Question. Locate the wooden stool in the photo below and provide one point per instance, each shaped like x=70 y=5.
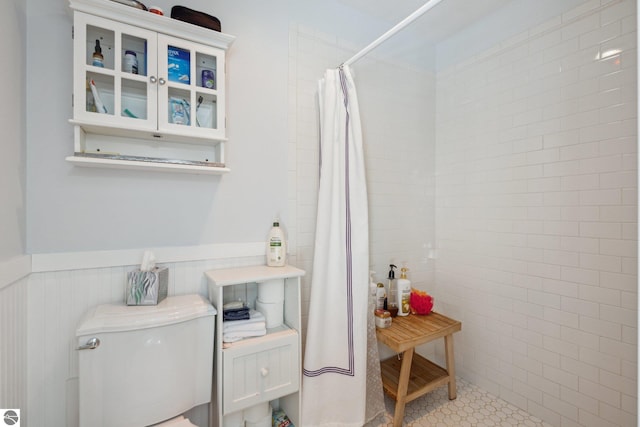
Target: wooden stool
x=412 y=376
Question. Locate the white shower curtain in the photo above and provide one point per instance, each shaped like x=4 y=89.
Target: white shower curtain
x=334 y=385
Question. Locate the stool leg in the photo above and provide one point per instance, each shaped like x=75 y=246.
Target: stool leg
x=451 y=368
x=403 y=385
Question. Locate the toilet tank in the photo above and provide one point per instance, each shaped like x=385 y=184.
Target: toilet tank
x=152 y=363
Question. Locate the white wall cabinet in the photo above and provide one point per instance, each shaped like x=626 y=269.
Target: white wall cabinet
x=168 y=114
x=259 y=369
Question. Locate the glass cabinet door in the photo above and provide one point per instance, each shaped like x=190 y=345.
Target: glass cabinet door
x=189 y=95
x=116 y=68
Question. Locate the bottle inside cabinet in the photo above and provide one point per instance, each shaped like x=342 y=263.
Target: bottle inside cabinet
x=101 y=81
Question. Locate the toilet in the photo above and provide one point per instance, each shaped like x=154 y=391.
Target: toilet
x=140 y=366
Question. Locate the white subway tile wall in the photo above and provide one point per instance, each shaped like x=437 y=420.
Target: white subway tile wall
x=536 y=207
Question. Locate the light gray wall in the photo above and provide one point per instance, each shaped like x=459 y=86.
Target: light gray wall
x=77 y=209
x=13 y=263
x=12 y=123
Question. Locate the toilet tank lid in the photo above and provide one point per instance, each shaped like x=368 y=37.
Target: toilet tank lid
x=121 y=318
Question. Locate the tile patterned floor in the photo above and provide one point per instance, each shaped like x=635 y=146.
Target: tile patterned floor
x=473 y=407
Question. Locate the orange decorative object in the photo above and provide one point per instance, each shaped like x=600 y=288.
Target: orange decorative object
x=421 y=302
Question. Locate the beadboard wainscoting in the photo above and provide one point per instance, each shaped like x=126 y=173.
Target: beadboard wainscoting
x=14 y=277
x=43 y=297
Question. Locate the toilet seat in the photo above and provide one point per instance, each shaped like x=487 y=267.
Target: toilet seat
x=176 y=422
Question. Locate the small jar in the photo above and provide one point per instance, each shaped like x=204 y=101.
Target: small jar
x=383 y=319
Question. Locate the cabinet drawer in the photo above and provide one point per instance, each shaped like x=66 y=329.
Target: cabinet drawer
x=260 y=369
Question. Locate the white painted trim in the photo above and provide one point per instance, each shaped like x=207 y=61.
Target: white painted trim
x=115 y=258
x=14 y=269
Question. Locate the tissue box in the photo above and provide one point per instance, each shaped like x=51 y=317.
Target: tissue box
x=147 y=287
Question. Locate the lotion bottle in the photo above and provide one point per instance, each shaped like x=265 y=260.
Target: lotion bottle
x=276 y=246
x=404 y=293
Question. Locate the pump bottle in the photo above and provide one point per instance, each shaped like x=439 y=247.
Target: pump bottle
x=392 y=293
x=404 y=293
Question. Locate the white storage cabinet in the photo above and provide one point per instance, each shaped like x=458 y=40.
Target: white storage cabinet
x=259 y=369
x=165 y=116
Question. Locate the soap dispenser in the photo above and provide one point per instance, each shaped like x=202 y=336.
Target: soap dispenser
x=392 y=292
x=404 y=292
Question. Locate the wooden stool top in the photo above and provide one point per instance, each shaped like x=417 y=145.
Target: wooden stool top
x=415 y=329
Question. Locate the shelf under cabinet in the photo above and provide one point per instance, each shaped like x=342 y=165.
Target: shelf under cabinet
x=142 y=133
x=162 y=166
x=112 y=147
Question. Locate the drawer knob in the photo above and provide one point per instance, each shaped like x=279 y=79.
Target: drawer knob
x=264 y=372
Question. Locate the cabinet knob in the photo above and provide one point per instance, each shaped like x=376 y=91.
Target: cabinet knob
x=162 y=81
x=153 y=79
x=264 y=372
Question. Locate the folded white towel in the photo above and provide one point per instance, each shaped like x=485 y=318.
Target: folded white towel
x=237 y=336
x=254 y=317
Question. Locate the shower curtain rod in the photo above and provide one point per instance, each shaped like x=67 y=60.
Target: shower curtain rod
x=399 y=26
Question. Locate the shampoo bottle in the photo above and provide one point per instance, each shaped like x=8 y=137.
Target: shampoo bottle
x=404 y=293
x=381 y=296
x=276 y=246
x=392 y=293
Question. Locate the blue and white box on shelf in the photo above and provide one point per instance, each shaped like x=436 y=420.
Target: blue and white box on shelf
x=179 y=64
